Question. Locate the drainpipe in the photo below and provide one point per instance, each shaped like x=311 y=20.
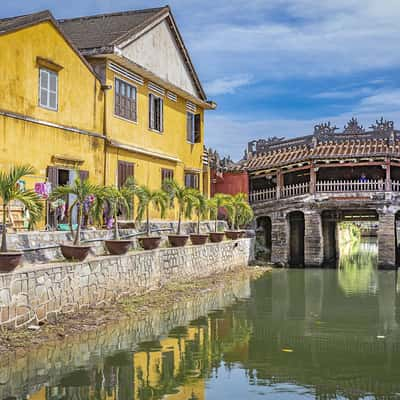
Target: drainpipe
x=105 y=88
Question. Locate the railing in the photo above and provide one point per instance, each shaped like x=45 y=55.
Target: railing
x=350 y=186
x=373 y=185
x=295 y=190
x=262 y=195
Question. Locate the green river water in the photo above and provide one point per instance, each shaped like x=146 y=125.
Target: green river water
x=292 y=334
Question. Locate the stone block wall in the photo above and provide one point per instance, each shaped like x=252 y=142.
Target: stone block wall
x=34 y=293
x=313 y=243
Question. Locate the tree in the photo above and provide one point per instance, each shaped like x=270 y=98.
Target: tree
x=218 y=201
x=81 y=189
x=182 y=196
x=239 y=210
x=117 y=200
x=10 y=191
x=198 y=203
x=157 y=198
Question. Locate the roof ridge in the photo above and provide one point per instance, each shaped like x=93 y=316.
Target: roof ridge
x=113 y=14
x=46 y=11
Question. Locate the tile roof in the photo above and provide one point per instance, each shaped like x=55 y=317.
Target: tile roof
x=324 y=150
x=21 y=21
x=105 y=30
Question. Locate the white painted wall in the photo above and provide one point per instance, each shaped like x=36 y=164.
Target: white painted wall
x=158 y=51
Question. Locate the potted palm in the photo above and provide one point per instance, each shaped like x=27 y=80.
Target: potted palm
x=215 y=204
x=117 y=200
x=235 y=206
x=197 y=203
x=81 y=190
x=181 y=195
x=11 y=191
x=147 y=198
x=245 y=216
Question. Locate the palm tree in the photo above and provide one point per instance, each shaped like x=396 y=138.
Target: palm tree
x=131 y=186
x=218 y=201
x=156 y=198
x=117 y=199
x=182 y=195
x=10 y=191
x=81 y=189
x=197 y=203
x=239 y=210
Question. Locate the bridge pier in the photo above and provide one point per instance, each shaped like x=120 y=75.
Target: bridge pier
x=279 y=239
x=386 y=241
x=313 y=239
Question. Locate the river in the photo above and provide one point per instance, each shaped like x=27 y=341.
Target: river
x=292 y=334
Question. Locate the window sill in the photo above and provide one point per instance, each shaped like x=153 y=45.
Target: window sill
x=126 y=119
x=156 y=131
x=48 y=108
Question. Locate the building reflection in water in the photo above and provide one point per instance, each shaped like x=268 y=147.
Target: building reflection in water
x=333 y=333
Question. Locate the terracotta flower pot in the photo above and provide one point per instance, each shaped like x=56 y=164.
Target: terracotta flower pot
x=198 y=239
x=178 y=240
x=233 y=235
x=74 y=253
x=149 y=242
x=216 y=237
x=118 y=247
x=10 y=260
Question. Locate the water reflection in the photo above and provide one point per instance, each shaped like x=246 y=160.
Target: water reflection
x=300 y=334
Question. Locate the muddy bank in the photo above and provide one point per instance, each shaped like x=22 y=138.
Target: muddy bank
x=19 y=342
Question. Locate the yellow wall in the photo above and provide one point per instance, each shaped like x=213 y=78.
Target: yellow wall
x=80 y=101
x=172 y=141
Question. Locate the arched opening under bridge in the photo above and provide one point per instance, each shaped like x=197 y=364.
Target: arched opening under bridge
x=296 y=239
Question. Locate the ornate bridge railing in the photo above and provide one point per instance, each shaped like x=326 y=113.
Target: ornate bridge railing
x=337 y=186
x=350 y=186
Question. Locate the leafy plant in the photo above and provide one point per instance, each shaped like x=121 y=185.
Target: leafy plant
x=156 y=198
x=181 y=195
x=10 y=191
x=239 y=210
x=131 y=186
x=117 y=200
x=218 y=201
x=198 y=203
x=81 y=189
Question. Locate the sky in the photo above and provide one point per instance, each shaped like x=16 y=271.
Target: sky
x=277 y=67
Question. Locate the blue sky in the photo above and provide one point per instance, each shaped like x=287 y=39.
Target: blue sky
x=277 y=67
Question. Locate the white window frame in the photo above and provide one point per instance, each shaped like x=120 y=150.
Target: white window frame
x=152 y=98
x=49 y=73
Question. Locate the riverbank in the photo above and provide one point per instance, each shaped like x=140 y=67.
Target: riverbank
x=17 y=343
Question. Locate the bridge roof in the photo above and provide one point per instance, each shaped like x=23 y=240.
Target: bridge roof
x=325 y=144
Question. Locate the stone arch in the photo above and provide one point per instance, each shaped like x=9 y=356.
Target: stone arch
x=296 y=238
x=329 y=238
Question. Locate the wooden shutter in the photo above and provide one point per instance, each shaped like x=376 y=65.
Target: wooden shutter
x=84 y=175
x=197 y=128
x=52 y=176
x=125 y=170
x=151 y=111
x=161 y=115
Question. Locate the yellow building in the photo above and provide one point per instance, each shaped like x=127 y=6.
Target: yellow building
x=113 y=95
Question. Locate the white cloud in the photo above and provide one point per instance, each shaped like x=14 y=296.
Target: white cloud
x=227 y=85
x=345 y=94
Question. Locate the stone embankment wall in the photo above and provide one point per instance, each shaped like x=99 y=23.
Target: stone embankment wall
x=21 y=376
x=38 y=239
x=35 y=293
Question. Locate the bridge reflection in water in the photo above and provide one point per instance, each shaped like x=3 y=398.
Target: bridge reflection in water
x=314 y=333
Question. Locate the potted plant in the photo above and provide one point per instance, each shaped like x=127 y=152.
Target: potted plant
x=181 y=195
x=81 y=189
x=158 y=199
x=245 y=216
x=117 y=200
x=197 y=203
x=236 y=207
x=11 y=191
x=214 y=205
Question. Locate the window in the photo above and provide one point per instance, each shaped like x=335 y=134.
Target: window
x=125 y=170
x=193 y=128
x=125 y=100
x=192 y=180
x=48 y=89
x=166 y=174
x=155 y=113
